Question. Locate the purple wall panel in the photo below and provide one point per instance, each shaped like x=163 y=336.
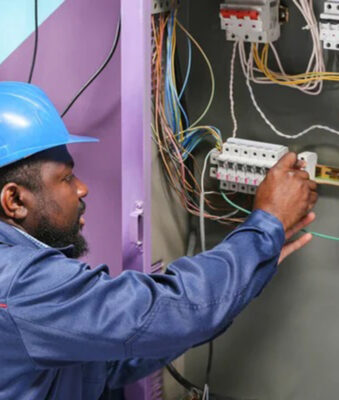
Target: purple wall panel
x=73 y=42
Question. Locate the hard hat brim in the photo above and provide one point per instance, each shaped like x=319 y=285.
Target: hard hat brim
x=71 y=139
x=81 y=139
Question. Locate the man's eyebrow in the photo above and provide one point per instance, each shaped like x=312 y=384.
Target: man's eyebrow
x=70 y=163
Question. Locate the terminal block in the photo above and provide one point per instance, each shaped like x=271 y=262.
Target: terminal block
x=242 y=165
x=329 y=25
x=251 y=20
x=160 y=6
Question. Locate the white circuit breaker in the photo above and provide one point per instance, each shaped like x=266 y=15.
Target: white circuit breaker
x=242 y=165
x=251 y=20
x=329 y=25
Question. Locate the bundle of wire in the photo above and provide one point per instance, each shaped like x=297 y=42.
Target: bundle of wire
x=309 y=82
x=173 y=133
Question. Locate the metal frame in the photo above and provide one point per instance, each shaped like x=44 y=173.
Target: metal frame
x=136 y=149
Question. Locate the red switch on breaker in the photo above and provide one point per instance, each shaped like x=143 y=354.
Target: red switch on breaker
x=240 y=14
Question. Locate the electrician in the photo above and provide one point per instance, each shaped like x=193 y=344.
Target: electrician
x=71 y=332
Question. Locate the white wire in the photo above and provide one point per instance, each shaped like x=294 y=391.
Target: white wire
x=206 y=394
x=231 y=90
x=202 y=203
x=268 y=122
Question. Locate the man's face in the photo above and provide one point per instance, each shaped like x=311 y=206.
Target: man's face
x=57 y=212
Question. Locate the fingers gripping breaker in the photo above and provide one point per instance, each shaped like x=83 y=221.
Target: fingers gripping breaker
x=242 y=165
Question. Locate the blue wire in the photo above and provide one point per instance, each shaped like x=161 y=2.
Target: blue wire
x=189 y=66
x=171 y=90
x=169 y=111
x=173 y=106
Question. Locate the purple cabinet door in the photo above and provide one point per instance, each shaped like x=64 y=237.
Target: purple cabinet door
x=136 y=133
x=136 y=148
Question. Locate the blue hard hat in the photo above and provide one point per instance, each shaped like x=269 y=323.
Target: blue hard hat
x=29 y=123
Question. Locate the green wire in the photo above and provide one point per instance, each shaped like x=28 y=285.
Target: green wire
x=316 y=234
x=230 y=202
x=322 y=235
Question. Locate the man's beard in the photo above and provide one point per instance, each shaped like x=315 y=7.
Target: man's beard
x=47 y=233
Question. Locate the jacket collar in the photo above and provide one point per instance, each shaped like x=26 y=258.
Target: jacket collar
x=11 y=236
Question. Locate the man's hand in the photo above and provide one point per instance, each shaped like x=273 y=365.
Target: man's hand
x=287 y=193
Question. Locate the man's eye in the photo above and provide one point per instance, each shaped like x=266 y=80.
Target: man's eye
x=69 y=178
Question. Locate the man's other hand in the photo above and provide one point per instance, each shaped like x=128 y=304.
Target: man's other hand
x=294 y=245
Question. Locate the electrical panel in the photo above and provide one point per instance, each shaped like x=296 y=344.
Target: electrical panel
x=329 y=25
x=242 y=165
x=251 y=20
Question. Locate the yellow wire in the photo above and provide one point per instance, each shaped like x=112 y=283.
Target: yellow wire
x=290 y=80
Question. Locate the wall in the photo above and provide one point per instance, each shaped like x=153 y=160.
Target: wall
x=73 y=42
x=284 y=346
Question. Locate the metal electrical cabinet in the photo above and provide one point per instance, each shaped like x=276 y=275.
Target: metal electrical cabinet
x=284 y=345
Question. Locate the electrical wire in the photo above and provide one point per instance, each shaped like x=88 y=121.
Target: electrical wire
x=36 y=40
x=316 y=234
x=173 y=134
x=189 y=66
x=189 y=386
x=231 y=89
x=99 y=71
x=310 y=82
x=205 y=395
x=202 y=203
x=268 y=122
x=209 y=65
x=209 y=366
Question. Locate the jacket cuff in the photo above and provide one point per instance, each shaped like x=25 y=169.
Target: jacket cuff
x=268 y=223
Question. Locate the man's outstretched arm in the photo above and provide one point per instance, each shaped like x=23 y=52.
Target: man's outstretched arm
x=85 y=315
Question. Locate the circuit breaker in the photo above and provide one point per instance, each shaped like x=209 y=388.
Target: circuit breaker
x=242 y=165
x=329 y=25
x=251 y=20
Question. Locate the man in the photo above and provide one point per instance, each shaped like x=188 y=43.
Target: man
x=71 y=332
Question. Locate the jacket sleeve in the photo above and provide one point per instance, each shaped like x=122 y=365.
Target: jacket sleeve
x=66 y=312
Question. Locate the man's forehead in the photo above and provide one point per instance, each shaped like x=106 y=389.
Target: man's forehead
x=58 y=155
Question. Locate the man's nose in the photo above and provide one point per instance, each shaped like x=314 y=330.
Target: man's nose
x=82 y=189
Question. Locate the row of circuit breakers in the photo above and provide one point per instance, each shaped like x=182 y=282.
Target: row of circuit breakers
x=242 y=164
x=260 y=20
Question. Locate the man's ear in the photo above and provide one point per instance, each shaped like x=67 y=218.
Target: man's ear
x=14 y=200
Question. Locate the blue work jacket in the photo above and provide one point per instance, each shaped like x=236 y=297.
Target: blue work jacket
x=71 y=332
